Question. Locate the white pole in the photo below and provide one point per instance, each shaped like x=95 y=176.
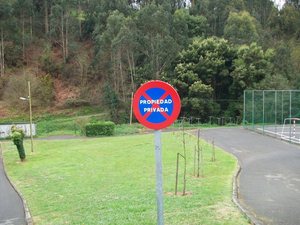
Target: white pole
x=294 y=128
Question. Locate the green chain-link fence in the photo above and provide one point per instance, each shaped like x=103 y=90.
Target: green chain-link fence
x=276 y=112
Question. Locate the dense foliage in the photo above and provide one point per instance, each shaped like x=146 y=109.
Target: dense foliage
x=100 y=129
x=210 y=50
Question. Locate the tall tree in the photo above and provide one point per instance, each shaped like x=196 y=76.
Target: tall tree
x=186 y=26
x=46 y=15
x=290 y=20
x=241 y=28
x=208 y=61
x=109 y=58
x=261 y=10
x=6 y=11
x=252 y=65
x=24 y=9
x=62 y=21
x=156 y=44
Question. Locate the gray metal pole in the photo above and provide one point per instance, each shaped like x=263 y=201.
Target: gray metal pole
x=253 y=109
x=244 y=112
x=290 y=104
x=275 y=94
x=290 y=115
x=282 y=119
x=159 y=177
x=263 y=112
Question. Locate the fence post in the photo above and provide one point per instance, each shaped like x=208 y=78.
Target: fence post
x=290 y=115
x=263 y=112
x=253 y=109
x=244 y=115
x=275 y=95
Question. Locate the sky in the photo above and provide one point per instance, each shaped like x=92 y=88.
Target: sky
x=279 y=3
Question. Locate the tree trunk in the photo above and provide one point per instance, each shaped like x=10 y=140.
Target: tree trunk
x=122 y=76
x=63 y=37
x=131 y=71
x=31 y=28
x=67 y=37
x=79 y=21
x=114 y=79
x=2 y=54
x=23 y=37
x=157 y=66
x=46 y=16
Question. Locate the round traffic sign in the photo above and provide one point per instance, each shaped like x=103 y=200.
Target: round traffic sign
x=156 y=104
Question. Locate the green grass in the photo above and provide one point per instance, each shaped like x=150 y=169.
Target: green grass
x=111 y=181
x=55 y=125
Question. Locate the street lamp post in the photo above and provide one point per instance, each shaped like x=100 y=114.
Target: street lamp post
x=30 y=113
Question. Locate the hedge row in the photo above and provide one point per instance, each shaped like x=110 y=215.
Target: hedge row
x=100 y=129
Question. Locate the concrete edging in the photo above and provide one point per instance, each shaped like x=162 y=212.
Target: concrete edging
x=28 y=217
x=235 y=196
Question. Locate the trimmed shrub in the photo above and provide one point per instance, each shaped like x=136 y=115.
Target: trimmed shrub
x=100 y=129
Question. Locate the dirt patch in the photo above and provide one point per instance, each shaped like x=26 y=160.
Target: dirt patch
x=64 y=92
x=3 y=110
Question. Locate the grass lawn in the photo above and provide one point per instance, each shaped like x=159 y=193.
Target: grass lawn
x=111 y=181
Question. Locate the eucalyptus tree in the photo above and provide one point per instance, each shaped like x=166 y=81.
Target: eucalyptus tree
x=241 y=28
x=290 y=20
x=24 y=10
x=114 y=62
x=294 y=3
x=236 y=6
x=7 y=25
x=156 y=45
x=261 y=10
x=108 y=61
x=47 y=9
x=127 y=43
x=187 y=26
x=63 y=24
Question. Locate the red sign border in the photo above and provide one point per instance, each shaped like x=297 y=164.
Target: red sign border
x=168 y=88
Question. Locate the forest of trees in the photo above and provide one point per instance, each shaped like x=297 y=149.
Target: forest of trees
x=210 y=50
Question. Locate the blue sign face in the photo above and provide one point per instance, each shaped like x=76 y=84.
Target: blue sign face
x=155 y=105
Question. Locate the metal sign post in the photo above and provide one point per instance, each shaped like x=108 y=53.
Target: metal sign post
x=159 y=177
x=156 y=105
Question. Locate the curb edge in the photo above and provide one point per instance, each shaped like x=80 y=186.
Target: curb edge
x=28 y=217
x=235 y=196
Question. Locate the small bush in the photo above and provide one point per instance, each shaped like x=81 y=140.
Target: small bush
x=100 y=129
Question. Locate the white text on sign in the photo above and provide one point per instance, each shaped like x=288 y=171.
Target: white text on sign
x=156 y=110
x=158 y=101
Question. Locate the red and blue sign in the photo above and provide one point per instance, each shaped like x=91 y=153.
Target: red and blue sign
x=156 y=104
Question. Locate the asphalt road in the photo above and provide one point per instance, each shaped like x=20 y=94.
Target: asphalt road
x=11 y=206
x=269 y=182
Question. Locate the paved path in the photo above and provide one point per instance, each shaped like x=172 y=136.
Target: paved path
x=269 y=182
x=11 y=206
